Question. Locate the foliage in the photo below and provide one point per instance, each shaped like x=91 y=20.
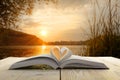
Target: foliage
x=12 y=10
x=105 y=29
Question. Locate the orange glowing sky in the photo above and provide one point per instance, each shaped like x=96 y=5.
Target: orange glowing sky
x=54 y=23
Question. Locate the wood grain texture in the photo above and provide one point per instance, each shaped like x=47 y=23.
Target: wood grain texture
x=113 y=73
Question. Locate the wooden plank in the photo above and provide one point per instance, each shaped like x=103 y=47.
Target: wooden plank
x=89 y=75
x=111 y=60
x=6 y=74
x=40 y=75
x=114 y=64
x=92 y=74
x=29 y=75
x=7 y=62
x=73 y=74
x=10 y=75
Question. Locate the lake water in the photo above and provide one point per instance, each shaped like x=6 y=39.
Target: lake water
x=21 y=51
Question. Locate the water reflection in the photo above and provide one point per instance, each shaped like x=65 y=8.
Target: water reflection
x=44 y=50
x=20 y=51
x=43 y=47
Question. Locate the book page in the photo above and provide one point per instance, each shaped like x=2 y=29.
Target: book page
x=60 y=54
x=81 y=62
x=43 y=59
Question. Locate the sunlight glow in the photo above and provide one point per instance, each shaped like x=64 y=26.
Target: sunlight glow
x=43 y=32
x=52 y=23
x=43 y=47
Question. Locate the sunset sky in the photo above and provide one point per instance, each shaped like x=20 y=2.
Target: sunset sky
x=66 y=21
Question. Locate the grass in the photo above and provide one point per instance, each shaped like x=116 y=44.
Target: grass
x=104 y=26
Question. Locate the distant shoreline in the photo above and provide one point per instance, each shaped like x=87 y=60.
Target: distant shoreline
x=42 y=45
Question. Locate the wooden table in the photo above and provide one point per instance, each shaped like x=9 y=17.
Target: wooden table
x=113 y=73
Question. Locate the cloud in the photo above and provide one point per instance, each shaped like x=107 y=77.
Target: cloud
x=66 y=20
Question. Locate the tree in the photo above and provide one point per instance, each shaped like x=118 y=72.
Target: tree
x=11 y=10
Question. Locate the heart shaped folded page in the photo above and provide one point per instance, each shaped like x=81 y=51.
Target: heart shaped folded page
x=61 y=54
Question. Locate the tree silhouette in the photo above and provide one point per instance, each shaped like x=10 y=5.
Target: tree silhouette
x=10 y=10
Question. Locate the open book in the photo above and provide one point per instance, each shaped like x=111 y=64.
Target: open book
x=60 y=58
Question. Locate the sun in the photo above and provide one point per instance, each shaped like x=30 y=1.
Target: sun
x=43 y=33
x=43 y=47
